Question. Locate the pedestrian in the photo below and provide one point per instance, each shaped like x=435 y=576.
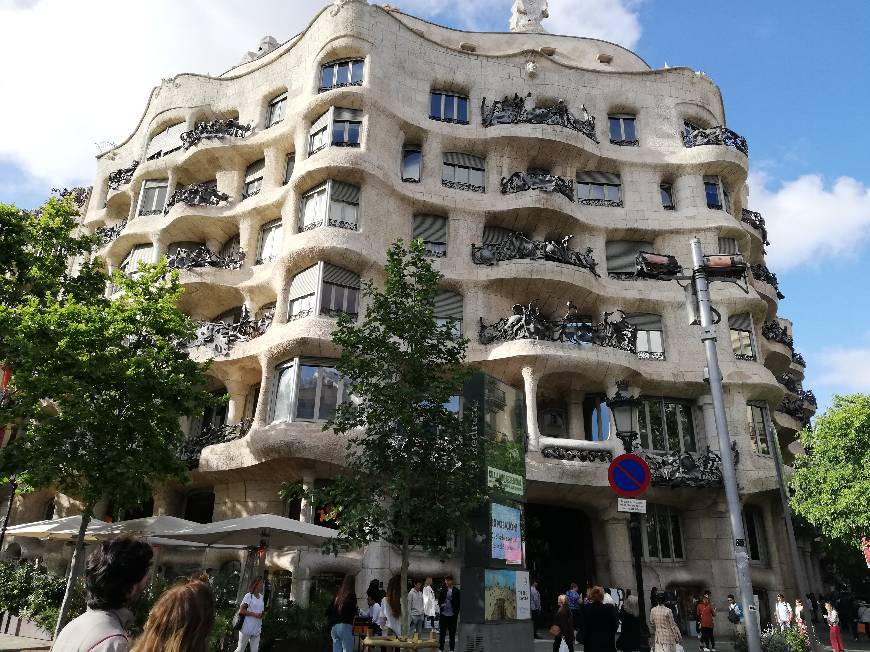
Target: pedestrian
x=707 y=614
x=665 y=633
x=374 y=591
x=783 y=612
x=600 y=622
x=115 y=575
x=374 y=614
x=536 y=608
x=815 y=605
x=416 y=617
x=449 y=603
x=629 y=635
x=251 y=615
x=864 y=619
x=653 y=597
x=563 y=625
x=833 y=619
x=735 y=615
x=574 y=604
x=799 y=612
x=430 y=604
x=180 y=621
x=340 y=614
x=391 y=607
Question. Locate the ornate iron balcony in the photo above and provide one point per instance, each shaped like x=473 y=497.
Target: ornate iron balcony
x=651 y=355
x=794 y=407
x=122 y=177
x=79 y=194
x=683 y=469
x=527 y=323
x=761 y=273
x=519 y=246
x=716 y=136
x=214 y=129
x=791 y=383
x=775 y=332
x=746 y=357
x=109 y=233
x=807 y=396
x=513 y=111
x=460 y=185
x=754 y=219
x=625 y=143
x=204 y=257
x=209 y=435
x=576 y=455
x=798 y=359
x=222 y=337
x=609 y=203
x=521 y=181
x=197 y=194
x=656 y=266
x=339 y=224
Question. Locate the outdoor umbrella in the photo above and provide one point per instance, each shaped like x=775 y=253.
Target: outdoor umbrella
x=269 y=529
x=61 y=529
x=144 y=527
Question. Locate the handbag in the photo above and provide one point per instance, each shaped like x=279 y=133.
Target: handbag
x=733 y=617
x=238 y=621
x=555 y=630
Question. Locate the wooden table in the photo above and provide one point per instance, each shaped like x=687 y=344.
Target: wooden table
x=374 y=642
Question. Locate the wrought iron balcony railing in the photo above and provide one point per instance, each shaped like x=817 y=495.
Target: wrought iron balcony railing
x=716 y=136
x=776 y=332
x=461 y=185
x=222 y=336
x=807 y=396
x=512 y=110
x=794 y=407
x=197 y=194
x=519 y=246
x=533 y=180
x=339 y=224
x=576 y=455
x=682 y=468
x=756 y=221
x=109 y=233
x=527 y=323
x=791 y=383
x=214 y=129
x=761 y=273
x=608 y=203
x=798 y=359
x=204 y=257
x=209 y=435
x=122 y=177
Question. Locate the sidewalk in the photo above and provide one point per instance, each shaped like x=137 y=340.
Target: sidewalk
x=22 y=643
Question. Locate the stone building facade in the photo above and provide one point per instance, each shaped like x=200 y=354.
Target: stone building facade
x=535 y=167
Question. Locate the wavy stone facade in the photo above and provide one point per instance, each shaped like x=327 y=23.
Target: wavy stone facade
x=411 y=149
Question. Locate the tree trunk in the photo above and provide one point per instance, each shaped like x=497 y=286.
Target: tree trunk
x=404 y=575
x=75 y=568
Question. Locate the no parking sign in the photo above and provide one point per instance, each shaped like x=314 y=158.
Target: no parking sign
x=628 y=475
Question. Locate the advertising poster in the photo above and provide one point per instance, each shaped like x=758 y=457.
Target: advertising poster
x=524 y=596
x=506 y=534
x=500 y=595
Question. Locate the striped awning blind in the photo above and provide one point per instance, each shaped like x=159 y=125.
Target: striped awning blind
x=465 y=160
x=340 y=276
x=231 y=247
x=346 y=114
x=304 y=283
x=493 y=235
x=320 y=123
x=139 y=253
x=741 y=322
x=255 y=170
x=728 y=246
x=448 y=305
x=620 y=254
x=430 y=228
x=645 y=321
x=344 y=192
x=167 y=140
x=598 y=177
x=708 y=178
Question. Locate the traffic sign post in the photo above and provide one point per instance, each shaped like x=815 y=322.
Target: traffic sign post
x=628 y=475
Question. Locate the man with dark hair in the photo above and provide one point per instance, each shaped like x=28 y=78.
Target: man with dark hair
x=449 y=603
x=116 y=574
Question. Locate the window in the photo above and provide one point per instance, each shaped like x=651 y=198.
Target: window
x=726 y=200
x=620 y=256
x=153 y=197
x=346 y=127
x=342 y=207
x=337 y=74
x=187 y=245
x=252 y=397
x=339 y=293
x=448 y=107
x=288 y=167
x=254 y=178
x=650 y=342
x=318 y=135
x=307 y=389
x=432 y=230
x=596 y=416
x=232 y=247
x=229 y=317
x=165 y=142
x=412 y=163
x=663 y=534
x=448 y=309
x=728 y=246
x=756 y=417
x=713 y=193
x=303 y=293
x=199 y=506
x=741 y=336
x=667 y=192
x=277 y=108
x=463 y=172
x=269 y=242
x=599 y=189
x=666 y=425
x=142 y=253
x=622 y=129
x=553 y=422
x=753 y=526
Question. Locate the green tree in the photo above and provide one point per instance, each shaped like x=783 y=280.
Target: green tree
x=413 y=467
x=98 y=384
x=831 y=483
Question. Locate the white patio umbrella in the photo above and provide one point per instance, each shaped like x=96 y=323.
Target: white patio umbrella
x=275 y=531
x=60 y=529
x=144 y=527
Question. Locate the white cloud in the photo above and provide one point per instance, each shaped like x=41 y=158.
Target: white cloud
x=808 y=220
x=610 y=20
x=846 y=369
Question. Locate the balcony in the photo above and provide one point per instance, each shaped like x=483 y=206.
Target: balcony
x=212 y=130
x=775 y=332
x=756 y=221
x=675 y=469
x=204 y=257
x=791 y=383
x=209 y=435
x=122 y=177
x=514 y=111
x=794 y=407
x=109 y=233
x=197 y=194
x=807 y=396
x=537 y=180
x=798 y=359
x=462 y=185
x=716 y=136
x=761 y=273
x=527 y=323
x=519 y=246
x=222 y=337
x=576 y=454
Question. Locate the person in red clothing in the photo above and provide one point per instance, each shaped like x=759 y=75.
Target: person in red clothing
x=707 y=613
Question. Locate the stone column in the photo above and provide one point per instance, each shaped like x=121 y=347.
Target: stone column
x=306 y=511
x=167 y=502
x=238 y=395
x=576 y=425
x=710 y=432
x=616 y=553
x=530 y=383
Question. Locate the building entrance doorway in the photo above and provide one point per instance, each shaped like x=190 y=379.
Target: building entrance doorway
x=558 y=551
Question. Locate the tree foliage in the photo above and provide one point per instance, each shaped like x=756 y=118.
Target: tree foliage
x=831 y=483
x=413 y=467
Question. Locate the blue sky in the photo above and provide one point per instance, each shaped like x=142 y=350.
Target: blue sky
x=793 y=75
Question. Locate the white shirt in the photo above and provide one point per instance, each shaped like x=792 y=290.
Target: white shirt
x=429 y=603
x=783 y=612
x=375 y=613
x=415 y=602
x=251 y=625
x=388 y=618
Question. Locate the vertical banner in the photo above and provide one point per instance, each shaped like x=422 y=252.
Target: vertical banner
x=524 y=596
x=506 y=534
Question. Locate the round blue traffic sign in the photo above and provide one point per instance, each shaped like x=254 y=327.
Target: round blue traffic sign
x=628 y=475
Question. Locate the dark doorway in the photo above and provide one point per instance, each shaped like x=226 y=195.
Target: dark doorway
x=558 y=551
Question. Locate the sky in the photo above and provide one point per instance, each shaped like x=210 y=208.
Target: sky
x=77 y=75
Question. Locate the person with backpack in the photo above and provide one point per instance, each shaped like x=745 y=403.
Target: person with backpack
x=735 y=614
x=249 y=619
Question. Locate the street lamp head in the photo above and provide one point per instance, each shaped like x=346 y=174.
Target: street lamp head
x=622 y=404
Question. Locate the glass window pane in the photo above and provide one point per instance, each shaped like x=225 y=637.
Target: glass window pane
x=628 y=129
x=352 y=301
x=712 y=191
x=475 y=177
x=687 y=428
x=611 y=193
x=284 y=387
x=342 y=74
x=676 y=536
x=655 y=342
x=462 y=114
x=449 y=107
x=307 y=392
x=357 y=72
x=583 y=191
x=652 y=537
x=596 y=191
x=461 y=174
x=656 y=424
x=615 y=129
x=353 y=133
x=752 y=536
x=667 y=199
x=338 y=132
x=326 y=77
x=329 y=383
x=411 y=165
x=643 y=426
x=672 y=428
x=448 y=172
x=435 y=105
x=664 y=532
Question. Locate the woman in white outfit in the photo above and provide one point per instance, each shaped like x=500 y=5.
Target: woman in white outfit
x=430 y=604
x=252 y=609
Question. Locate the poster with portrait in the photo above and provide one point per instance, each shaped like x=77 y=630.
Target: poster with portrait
x=506 y=533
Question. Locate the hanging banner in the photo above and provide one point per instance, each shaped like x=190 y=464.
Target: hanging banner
x=505 y=533
x=524 y=596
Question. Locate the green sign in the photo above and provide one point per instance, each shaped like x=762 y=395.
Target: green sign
x=508 y=482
